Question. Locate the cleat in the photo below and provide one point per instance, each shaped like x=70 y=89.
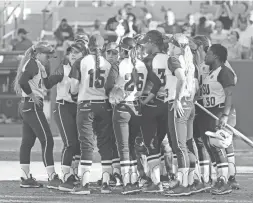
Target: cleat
x=144 y=182
x=200 y=186
x=116 y=179
x=81 y=190
x=152 y=188
x=30 y=183
x=68 y=185
x=221 y=188
x=178 y=191
x=54 y=183
x=233 y=183
x=105 y=189
x=131 y=189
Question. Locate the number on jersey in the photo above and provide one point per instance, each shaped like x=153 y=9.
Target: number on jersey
x=210 y=101
x=205 y=89
x=129 y=86
x=161 y=73
x=100 y=82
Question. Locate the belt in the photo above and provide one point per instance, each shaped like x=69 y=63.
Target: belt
x=27 y=99
x=94 y=101
x=161 y=98
x=130 y=102
x=61 y=101
x=221 y=105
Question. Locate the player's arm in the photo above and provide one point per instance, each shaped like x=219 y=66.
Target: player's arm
x=176 y=69
x=112 y=76
x=75 y=76
x=30 y=70
x=226 y=79
x=53 y=79
x=155 y=80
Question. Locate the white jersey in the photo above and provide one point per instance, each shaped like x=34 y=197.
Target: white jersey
x=36 y=83
x=89 y=88
x=125 y=80
x=212 y=91
x=63 y=87
x=159 y=65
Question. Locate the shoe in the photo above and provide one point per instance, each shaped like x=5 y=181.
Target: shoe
x=178 y=191
x=68 y=185
x=130 y=189
x=221 y=188
x=233 y=183
x=77 y=179
x=81 y=190
x=145 y=182
x=200 y=186
x=54 y=183
x=172 y=182
x=152 y=188
x=105 y=189
x=117 y=179
x=30 y=183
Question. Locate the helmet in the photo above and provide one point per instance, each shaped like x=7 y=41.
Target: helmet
x=221 y=138
x=153 y=36
x=127 y=43
x=82 y=37
x=96 y=41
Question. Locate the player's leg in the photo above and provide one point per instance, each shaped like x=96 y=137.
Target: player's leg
x=38 y=122
x=67 y=127
x=85 y=117
x=231 y=155
x=103 y=111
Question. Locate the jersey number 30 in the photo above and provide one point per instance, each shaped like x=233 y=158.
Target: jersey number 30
x=100 y=82
x=129 y=86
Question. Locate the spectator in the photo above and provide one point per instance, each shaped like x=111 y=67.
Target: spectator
x=189 y=27
x=64 y=32
x=21 y=43
x=203 y=12
x=242 y=17
x=219 y=34
x=117 y=22
x=233 y=46
x=170 y=26
x=225 y=15
x=143 y=23
x=202 y=28
x=97 y=28
x=131 y=19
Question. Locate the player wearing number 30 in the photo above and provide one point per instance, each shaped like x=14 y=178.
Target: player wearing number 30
x=126 y=89
x=88 y=80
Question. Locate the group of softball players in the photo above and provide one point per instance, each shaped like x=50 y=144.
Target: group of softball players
x=138 y=99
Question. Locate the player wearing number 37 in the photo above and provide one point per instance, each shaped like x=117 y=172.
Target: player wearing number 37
x=88 y=80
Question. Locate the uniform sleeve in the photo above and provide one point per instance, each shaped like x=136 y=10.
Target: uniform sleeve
x=173 y=64
x=76 y=70
x=152 y=77
x=30 y=70
x=226 y=77
x=54 y=78
x=112 y=76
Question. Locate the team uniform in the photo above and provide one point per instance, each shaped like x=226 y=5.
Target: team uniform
x=35 y=124
x=214 y=97
x=93 y=106
x=65 y=117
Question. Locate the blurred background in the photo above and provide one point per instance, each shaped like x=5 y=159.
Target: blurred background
x=24 y=22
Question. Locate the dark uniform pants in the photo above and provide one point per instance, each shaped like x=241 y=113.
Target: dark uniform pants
x=181 y=133
x=65 y=117
x=126 y=123
x=207 y=123
x=99 y=111
x=35 y=125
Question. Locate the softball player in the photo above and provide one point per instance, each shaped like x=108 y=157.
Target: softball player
x=129 y=84
x=216 y=91
x=203 y=44
x=88 y=80
x=65 y=116
x=181 y=90
x=29 y=84
x=155 y=106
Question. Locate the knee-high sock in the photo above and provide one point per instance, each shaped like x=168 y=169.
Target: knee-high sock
x=182 y=176
x=231 y=164
x=116 y=166
x=222 y=170
x=205 y=170
x=85 y=169
x=134 y=173
x=174 y=164
x=191 y=176
x=197 y=174
x=106 y=171
x=125 y=171
x=25 y=171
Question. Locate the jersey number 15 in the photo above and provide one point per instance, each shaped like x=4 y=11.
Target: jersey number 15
x=100 y=81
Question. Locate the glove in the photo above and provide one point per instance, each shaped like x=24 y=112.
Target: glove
x=116 y=95
x=220 y=139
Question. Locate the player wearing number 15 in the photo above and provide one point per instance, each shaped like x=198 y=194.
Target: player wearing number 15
x=88 y=80
x=217 y=91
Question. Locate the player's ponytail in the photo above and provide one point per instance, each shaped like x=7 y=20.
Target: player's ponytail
x=30 y=53
x=97 y=58
x=133 y=58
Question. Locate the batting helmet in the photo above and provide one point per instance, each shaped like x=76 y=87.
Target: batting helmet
x=128 y=43
x=220 y=139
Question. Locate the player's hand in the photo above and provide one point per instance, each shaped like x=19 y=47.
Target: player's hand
x=223 y=121
x=177 y=106
x=37 y=100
